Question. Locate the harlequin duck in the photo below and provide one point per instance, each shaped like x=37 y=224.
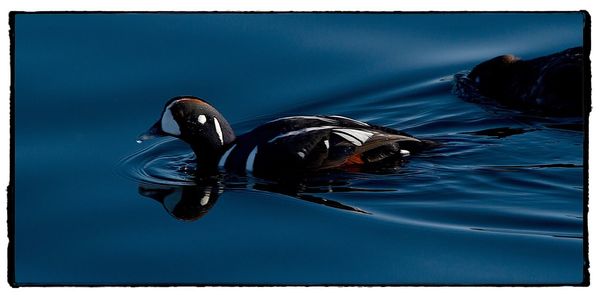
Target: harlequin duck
x=282 y=147
x=551 y=84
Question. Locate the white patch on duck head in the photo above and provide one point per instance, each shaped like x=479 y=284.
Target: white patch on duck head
x=202 y=119
x=218 y=129
x=168 y=123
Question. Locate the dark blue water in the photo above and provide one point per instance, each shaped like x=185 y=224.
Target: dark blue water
x=481 y=209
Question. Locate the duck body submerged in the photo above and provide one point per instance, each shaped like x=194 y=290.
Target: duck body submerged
x=552 y=84
x=285 y=147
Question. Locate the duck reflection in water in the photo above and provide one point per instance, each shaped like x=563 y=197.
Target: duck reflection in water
x=187 y=203
x=192 y=202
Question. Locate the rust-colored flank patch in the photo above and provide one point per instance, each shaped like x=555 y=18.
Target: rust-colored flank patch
x=354 y=159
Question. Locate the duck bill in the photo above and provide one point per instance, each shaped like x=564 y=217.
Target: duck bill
x=154 y=132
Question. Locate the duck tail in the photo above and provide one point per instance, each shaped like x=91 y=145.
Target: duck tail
x=425 y=144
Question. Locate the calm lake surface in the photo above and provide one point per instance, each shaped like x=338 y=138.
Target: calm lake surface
x=483 y=208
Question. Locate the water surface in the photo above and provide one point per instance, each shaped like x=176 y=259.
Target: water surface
x=487 y=207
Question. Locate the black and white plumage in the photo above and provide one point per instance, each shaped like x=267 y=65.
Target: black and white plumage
x=282 y=147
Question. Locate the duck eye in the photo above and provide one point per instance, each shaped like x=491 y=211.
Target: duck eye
x=202 y=119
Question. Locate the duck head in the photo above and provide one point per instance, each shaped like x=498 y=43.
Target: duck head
x=493 y=78
x=199 y=124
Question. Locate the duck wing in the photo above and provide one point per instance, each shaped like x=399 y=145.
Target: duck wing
x=327 y=147
x=293 y=145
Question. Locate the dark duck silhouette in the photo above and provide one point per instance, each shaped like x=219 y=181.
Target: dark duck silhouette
x=192 y=202
x=281 y=148
x=188 y=203
x=550 y=85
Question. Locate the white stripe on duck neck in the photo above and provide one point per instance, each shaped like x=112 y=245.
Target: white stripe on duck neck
x=225 y=156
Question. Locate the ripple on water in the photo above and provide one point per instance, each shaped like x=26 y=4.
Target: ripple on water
x=163 y=162
x=456 y=186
